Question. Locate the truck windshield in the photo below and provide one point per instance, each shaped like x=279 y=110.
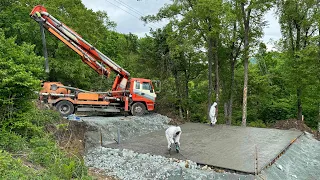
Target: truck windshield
x=146 y=86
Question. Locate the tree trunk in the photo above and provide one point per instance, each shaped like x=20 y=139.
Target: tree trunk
x=180 y=112
x=246 y=20
x=319 y=63
x=216 y=64
x=299 y=90
x=210 y=59
x=226 y=113
x=187 y=93
x=45 y=51
x=298 y=37
x=291 y=38
x=319 y=120
x=233 y=57
x=245 y=92
x=175 y=75
x=233 y=62
x=299 y=104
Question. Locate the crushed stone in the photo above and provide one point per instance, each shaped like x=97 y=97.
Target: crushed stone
x=106 y=128
x=300 y=161
x=128 y=165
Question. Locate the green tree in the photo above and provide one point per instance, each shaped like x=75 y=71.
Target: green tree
x=64 y=63
x=20 y=74
x=233 y=40
x=298 y=26
x=252 y=14
x=200 y=23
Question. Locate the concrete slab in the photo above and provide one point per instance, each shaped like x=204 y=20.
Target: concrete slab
x=229 y=147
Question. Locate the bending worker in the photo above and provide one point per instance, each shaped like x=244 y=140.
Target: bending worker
x=173 y=134
x=213 y=113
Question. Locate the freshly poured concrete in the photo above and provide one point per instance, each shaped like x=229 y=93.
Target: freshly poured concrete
x=222 y=146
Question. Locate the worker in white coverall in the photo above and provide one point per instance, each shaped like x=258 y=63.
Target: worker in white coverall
x=212 y=114
x=173 y=134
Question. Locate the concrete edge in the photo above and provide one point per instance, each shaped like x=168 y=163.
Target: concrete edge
x=198 y=163
x=226 y=169
x=270 y=163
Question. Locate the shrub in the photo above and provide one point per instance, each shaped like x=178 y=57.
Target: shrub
x=258 y=123
x=197 y=117
x=11 y=168
x=311 y=117
x=276 y=111
x=47 y=154
x=31 y=122
x=11 y=142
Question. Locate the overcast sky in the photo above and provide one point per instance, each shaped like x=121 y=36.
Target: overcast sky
x=126 y=14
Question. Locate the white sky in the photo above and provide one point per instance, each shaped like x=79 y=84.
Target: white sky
x=126 y=14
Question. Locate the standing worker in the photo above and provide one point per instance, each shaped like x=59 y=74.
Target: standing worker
x=213 y=113
x=173 y=137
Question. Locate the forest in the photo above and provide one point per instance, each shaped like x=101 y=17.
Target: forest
x=210 y=51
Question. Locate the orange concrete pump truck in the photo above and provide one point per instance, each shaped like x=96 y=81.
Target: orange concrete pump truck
x=135 y=95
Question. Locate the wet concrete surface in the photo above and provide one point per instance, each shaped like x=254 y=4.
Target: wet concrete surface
x=229 y=147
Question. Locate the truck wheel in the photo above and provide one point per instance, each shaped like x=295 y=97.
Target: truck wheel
x=65 y=108
x=138 y=109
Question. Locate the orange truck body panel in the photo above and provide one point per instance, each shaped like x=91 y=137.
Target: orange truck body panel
x=77 y=102
x=88 y=96
x=46 y=88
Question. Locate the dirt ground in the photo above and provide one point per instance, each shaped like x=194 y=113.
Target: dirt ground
x=98 y=174
x=295 y=124
x=70 y=136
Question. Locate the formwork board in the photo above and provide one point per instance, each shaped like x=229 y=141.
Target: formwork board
x=228 y=147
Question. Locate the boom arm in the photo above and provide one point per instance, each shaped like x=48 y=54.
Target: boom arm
x=89 y=54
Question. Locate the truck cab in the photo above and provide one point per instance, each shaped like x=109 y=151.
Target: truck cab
x=142 y=92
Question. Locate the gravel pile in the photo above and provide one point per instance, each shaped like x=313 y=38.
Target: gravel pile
x=106 y=128
x=127 y=165
x=300 y=161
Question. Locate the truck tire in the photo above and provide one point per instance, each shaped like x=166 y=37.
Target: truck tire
x=138 y=109
x=65 y=108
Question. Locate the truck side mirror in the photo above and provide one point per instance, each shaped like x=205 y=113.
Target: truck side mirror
x=151 y=90
x=157 y=85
